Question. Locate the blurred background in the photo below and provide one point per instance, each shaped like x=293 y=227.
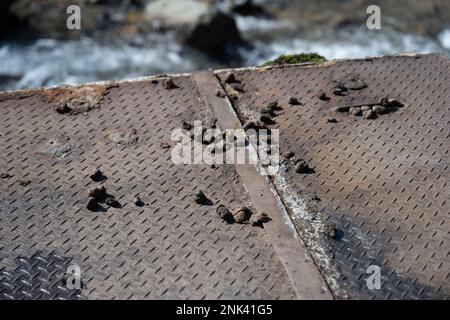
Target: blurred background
x=121 y=39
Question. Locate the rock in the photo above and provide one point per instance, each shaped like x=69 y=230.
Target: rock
x=219 y=93
x=62 y=108
x=164 y=145
x=138 y=202
x=237 y=86
x=365 y=108
x=225 y=214
x=369 y=114
x=380 y=109
x=391 y=103
x=315 y=197
x=351 y=81
x=258 y=219
x=186 y=125
x=216 y=23
x=323 y=96
x=174 y=13
x=273 y=106
x=242 y=215
x=330 y=230
x=266 y=118
x=97 y=192
x=247 y=8
x=169 y=84
x=196 y=22
x=200 y=197
x=288 y=154
x=293 y=101
x=356 y=111
x=111 y=202
x=267 y=111
x=331 y=120
x=340 y=92
x=97 y=175
x=92 y=204
x=302 y=167
x=230 y=78
x=250 y=124
x=341 y=109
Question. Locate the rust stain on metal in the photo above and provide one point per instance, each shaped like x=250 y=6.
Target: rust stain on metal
x=77 y=99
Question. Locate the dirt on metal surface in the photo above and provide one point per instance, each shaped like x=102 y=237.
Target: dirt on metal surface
x=380 y=185
x=159 y=243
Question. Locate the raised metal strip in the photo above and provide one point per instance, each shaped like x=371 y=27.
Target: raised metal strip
x=306 y=278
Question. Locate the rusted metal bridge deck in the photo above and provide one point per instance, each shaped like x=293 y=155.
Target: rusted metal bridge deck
x=378 y=169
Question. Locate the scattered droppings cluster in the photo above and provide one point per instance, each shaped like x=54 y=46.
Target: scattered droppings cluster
x=259 y=120
x=348 y=82
x=207 y=136
x=386 y=105
x=300 y=165
x=98 y=195
x=169 y=84
x=236 y=85
x=242 y=215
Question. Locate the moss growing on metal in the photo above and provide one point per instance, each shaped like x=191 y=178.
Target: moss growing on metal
x=296 y=58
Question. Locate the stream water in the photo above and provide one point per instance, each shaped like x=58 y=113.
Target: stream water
x=48 y=62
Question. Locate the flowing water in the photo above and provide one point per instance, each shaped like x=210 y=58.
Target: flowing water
x=48 y=62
